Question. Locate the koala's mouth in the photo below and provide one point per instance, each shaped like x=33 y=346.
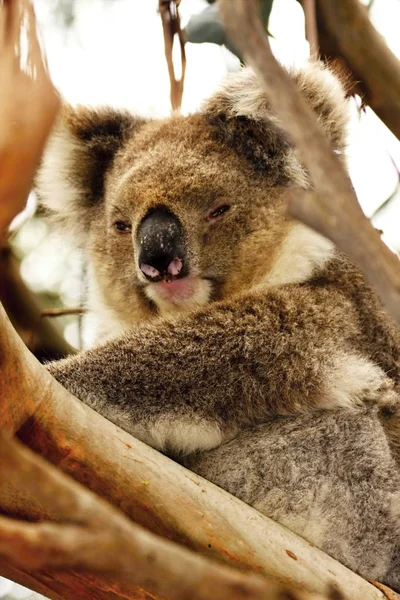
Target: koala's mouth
x=179 y=289
x=180 y=293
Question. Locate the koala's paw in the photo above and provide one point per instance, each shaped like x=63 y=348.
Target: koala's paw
x=353 y=380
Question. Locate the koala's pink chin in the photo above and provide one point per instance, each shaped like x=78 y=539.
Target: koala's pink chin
x=178 y=290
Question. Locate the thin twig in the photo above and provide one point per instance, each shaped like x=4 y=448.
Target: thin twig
x=61 y=312
x=386 y=202
x=311 y=26
x=171 y=25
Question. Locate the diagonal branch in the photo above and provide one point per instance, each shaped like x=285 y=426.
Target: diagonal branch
x=333 y=208
x=99 y=539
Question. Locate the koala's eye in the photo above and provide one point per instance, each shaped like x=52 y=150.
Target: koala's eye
x=220 y=210
x=122 y=227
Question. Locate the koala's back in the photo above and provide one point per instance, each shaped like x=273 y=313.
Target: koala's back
x=328 y=476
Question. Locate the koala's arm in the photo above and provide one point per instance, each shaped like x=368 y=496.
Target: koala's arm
x=190 y=384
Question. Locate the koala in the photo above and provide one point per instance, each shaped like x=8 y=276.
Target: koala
x=229 y=336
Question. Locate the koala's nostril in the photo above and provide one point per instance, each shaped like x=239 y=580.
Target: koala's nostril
x=150 y=271
x=172 y=271
x=175 y=267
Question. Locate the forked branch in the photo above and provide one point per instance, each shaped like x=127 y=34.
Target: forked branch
x=148 y=487
x=95 y=537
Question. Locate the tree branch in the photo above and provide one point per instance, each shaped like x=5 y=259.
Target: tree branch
x=24 y=125
x=60 y=312
x=42 y=337
x=311 y=25
x=98 y=539
x=333 y=209
x=346 y=32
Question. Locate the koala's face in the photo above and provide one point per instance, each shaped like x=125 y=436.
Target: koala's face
x=175 y=214
x=183 y=221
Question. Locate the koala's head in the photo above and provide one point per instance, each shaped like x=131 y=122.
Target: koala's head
x=176 y=213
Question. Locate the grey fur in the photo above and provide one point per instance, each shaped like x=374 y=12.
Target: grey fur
x=330 y=477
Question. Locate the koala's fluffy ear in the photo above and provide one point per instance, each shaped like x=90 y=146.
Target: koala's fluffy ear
x=241 y=109
x=81 y=148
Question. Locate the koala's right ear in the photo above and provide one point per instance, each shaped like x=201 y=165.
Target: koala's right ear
x=80 y=150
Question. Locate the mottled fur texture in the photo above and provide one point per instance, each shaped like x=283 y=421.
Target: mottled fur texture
x=277 y=376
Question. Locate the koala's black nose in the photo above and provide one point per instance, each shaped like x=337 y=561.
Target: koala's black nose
x=162 y=251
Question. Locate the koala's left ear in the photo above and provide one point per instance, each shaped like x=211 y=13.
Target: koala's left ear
x=241 y=112
x=70 y=179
